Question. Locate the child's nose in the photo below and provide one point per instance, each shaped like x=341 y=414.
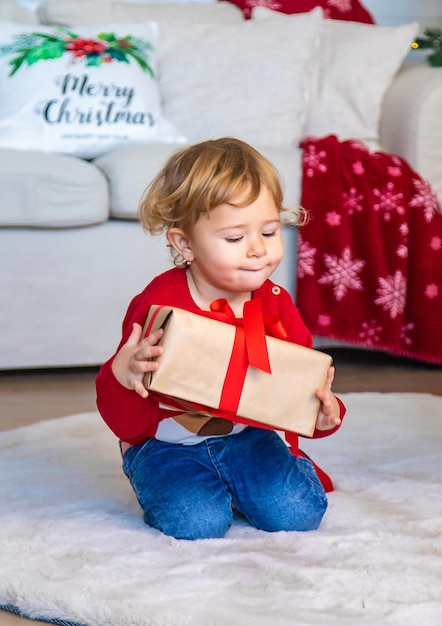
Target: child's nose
x=257 y=246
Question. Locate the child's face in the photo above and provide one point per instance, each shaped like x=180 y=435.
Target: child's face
x=235 y=249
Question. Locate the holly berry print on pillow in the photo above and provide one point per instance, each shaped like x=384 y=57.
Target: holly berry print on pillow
x=83 y=91
x=105 y=48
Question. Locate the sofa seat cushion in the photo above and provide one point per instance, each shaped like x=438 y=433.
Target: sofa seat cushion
x=130 y=169
x=44 y=190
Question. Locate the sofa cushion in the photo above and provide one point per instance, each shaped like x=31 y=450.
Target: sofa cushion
x=355 y=65
x=96 y=12
x=250 y=80
x=81 y=91
x=130 y=169
x=50 y=190
x=352 y=10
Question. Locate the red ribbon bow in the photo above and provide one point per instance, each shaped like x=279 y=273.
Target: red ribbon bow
x=249 y=347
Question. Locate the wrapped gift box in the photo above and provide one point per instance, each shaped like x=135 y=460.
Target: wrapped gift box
x=207 y=365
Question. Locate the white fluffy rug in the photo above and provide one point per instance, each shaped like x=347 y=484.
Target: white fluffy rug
x=73 y=545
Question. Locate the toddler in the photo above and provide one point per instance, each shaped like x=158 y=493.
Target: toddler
x=220 y=205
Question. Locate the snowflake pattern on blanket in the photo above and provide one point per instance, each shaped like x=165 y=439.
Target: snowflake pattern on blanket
x=370 y=257
x=352 y=10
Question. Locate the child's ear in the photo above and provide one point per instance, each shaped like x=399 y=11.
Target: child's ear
x=180 y=241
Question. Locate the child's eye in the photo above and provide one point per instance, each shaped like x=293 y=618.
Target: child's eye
x=233 y=239
x=270 y=234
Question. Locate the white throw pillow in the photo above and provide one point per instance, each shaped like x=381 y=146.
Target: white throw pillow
x=356 y=64
x=250 y=80
x=82 y=91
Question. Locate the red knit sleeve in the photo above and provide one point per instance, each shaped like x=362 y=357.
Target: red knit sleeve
x=129 y=416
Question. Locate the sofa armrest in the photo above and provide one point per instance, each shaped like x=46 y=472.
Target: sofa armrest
x=410 y=123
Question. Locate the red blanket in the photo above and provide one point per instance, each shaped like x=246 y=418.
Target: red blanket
x=370 y=257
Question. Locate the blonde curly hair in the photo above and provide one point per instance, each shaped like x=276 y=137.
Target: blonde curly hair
x=201 y=177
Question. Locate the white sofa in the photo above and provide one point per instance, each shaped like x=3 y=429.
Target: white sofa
x=71 y=251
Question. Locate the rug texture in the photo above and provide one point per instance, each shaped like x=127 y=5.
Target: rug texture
x=74 y=548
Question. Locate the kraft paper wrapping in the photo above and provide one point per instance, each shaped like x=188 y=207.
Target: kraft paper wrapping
x=193 y=366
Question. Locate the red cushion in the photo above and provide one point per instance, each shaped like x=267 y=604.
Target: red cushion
x=350 y=10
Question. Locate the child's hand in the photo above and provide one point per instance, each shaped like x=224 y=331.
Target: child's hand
x=133 y=359
x=329 y=412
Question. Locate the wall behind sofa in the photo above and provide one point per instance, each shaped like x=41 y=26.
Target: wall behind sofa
x=394 y=12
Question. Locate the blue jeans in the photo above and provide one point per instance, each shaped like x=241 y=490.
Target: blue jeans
x=188 y=492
